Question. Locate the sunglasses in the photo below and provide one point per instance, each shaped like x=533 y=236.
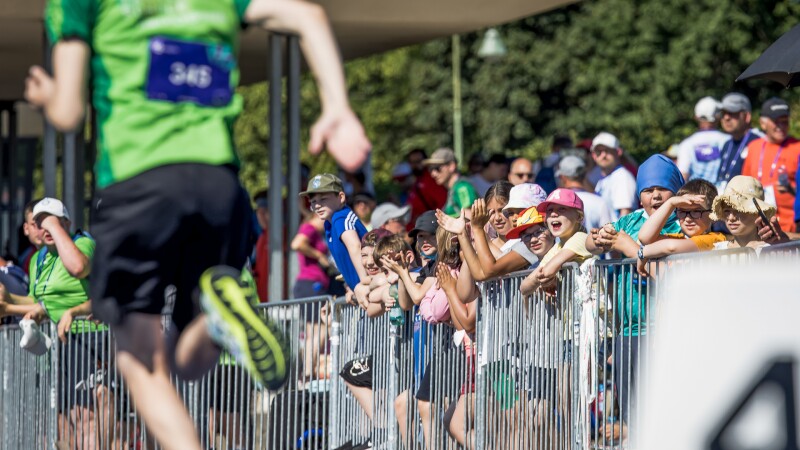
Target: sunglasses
x=600 y=150
x=696 y=214
x=523 y=175
x=436 y=168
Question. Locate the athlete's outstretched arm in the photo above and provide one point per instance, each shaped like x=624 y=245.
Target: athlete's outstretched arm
x=62 y=96
x=338 y=127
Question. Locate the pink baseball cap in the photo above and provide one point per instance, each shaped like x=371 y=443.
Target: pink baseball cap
x=563 y=197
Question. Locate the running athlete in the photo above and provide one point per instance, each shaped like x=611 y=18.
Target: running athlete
x=169 y=208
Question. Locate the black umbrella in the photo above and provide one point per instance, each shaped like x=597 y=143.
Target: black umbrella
x=780 y=62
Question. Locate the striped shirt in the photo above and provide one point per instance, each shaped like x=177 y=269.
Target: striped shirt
x=343 y=220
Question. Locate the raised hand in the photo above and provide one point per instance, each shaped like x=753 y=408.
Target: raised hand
x=445 y=278
x=343 y=135
x=688 y=200
x=392 y=265
x=480 y=214
x=771 y=232
x=455 y=225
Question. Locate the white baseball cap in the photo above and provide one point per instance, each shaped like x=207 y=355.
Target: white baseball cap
x=51 y=206
x=525 y=195
x=605 y=139
x=707 y=109
x=388 y=211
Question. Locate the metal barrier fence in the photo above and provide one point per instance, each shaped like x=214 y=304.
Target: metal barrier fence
x=525 y=360
x=556 y=370
x=72 y=397
x=618 y=311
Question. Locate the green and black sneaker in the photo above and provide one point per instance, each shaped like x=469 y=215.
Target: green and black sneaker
x=258 y=344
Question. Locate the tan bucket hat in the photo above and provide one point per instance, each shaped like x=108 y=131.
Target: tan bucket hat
x=739 y=195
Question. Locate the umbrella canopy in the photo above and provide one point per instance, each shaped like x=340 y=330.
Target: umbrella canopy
x=780 y=62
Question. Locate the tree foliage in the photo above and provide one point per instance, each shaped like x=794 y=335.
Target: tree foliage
x=634 y=68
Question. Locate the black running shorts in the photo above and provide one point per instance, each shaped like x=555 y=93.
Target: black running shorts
x=165 y=227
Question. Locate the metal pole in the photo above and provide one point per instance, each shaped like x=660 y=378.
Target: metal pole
x=68 y=166
x=73 y=182
x=275 y=169
x=13 y=151
x=49 y=142
x=293 y=100
x=5 y=214
x=458 y=131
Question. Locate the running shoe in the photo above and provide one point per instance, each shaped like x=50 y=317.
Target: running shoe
x=258 y=344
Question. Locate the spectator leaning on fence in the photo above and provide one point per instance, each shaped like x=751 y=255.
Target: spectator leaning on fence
x=58 y=271
x=343 y=229
x=737 y=208
x=772 y=160
x=59 y=290
x=692 y=205
x=563 y=213
x=657 y=181
x=533 y=232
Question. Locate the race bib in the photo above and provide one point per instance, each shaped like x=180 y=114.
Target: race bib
x=706 y=153
x=183 y=71
x=769 y=195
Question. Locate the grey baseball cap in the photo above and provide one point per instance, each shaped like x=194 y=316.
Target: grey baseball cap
x=736 y=102
x=571 y=167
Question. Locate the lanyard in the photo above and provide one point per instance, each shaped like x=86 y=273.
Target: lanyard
x=735 y=158
x=39 y=269
x=774 y=161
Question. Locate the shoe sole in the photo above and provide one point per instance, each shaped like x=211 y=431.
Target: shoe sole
x=259 y=345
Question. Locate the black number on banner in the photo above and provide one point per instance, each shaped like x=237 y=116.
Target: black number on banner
x=779 y=377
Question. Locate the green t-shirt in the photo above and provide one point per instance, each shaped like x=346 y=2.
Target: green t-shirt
x=164 y=74
x=461 y=195
x=632 y=297
x=52 y=284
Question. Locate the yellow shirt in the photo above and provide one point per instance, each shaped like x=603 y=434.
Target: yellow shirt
x=576 y=244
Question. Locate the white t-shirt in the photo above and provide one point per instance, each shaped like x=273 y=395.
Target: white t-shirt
x=699 y=154
x=618 y=190
x=596 y=212
x=519 y=247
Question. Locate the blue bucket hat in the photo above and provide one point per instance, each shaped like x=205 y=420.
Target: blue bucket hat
x=658 y=171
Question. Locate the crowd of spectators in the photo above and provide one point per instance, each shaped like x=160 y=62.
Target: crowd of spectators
x=447 y=231
x=515 y=214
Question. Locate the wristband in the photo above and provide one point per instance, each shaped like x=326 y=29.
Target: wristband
x=640 y=253
x=44 y=308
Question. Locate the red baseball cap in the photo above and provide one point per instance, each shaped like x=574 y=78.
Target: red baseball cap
x=563 y=197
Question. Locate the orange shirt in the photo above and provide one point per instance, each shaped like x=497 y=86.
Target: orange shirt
x=765 y=167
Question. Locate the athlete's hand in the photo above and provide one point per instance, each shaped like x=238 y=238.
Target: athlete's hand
x=39 y=87
x=343 y=135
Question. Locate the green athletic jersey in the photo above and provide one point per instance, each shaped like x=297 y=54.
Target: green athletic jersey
x=461 y=195
x=163 y=75
x=52 y=284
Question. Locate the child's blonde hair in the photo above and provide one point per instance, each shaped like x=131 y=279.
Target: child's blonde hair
x=448 y=248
